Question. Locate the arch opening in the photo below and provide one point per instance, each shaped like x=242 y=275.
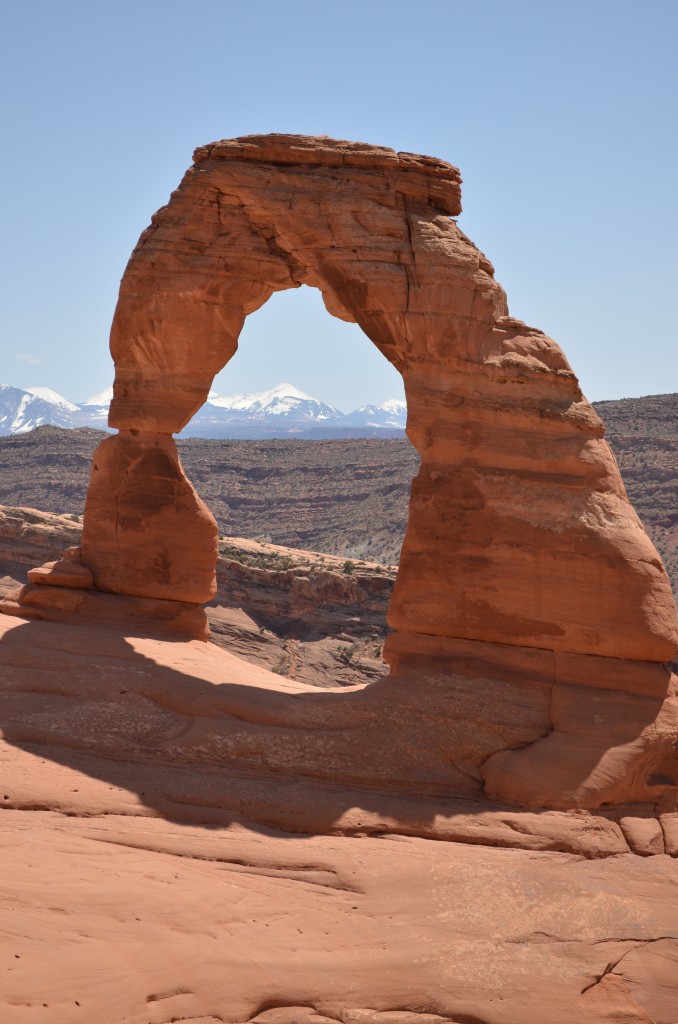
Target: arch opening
x=292 y=337
x=322 y=496
x=314 y=436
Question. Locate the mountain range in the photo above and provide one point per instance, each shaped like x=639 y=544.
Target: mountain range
x=282 y=412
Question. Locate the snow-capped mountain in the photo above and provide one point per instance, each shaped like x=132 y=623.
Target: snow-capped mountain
x=392 y=413
x=282 y=400
x=21 y=411
x=282 y=411
x=101 y=400
x=94 y=410
x=47 y=395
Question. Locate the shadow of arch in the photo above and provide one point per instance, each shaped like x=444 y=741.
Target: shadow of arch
x=190 y=734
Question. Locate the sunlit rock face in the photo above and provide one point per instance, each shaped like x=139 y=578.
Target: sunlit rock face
x=523 y=561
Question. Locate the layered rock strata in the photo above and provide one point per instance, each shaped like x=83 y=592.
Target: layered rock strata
x=526 y=580
x=519 y=530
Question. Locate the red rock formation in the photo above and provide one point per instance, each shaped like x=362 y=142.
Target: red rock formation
x=527 y=589
x=520 y=531
x=152 y=789
x=150 y=534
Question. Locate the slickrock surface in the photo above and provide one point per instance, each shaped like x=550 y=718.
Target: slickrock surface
x=533 y=727
x=165 y=857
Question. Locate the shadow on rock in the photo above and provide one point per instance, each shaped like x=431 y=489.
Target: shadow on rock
x=185 y=731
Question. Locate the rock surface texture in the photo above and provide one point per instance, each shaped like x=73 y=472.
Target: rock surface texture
x=520 y=531
x=529 y=706
x=169 y=853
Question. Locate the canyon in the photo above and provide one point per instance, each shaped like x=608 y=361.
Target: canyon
x=312 y=617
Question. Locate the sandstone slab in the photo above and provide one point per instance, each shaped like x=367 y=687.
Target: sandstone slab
x=148 y=878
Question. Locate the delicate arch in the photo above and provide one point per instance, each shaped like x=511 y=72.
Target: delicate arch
x=520 y=531
x=532 y=617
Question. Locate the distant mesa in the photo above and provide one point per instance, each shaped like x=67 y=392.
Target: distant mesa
x=282 y=411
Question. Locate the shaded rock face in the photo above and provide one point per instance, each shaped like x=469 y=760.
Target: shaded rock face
x=529 y=599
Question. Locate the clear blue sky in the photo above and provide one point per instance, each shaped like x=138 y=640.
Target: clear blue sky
x=561 y=116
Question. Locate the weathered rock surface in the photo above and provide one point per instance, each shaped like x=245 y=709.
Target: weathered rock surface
x=67 y=571
x=520 y=531
x=29 y=537
x=165 y=856
x=138 y=491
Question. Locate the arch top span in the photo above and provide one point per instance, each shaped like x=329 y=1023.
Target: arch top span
x=367 y=226
x=424 y=177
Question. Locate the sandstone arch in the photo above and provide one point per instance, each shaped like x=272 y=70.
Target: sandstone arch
x=520 y=531
x=524 y=565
